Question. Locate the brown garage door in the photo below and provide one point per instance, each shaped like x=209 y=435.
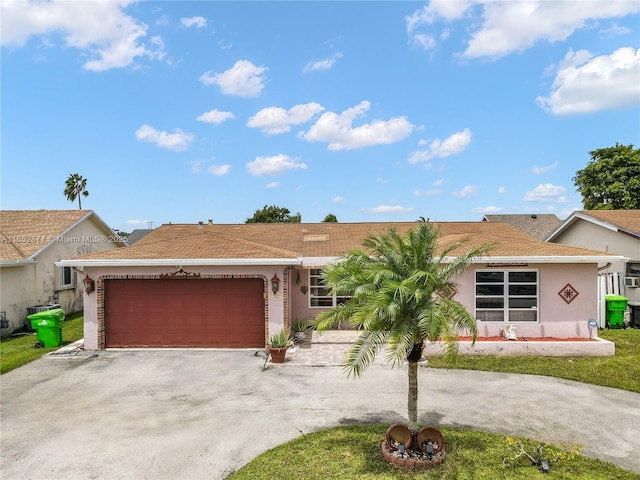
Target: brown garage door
x=185 y=313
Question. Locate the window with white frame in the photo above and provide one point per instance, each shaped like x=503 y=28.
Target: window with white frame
x=67 y=278
x=319 y=295
x=507 y=295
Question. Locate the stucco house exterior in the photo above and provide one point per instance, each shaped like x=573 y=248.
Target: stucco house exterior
x=212 y=285
x=613 y=231
x=31 y=241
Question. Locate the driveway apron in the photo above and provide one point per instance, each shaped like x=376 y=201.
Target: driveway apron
x=196 y=414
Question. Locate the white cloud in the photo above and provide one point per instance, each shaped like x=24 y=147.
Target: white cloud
x=510 y=26
x=273 y=185
x=338 y=199
x=466 y=191
x=437 y=9
x=452 y=145
x=110 y=37
x=488 y=209
x=244 y=79
x=219 y=170
x=139 y=222
x=424 y=41
x=502 y=190
x=173 y=141
x=389 y=209
x=198 y=22
x=337 y=130
x=585 y=84
x=382 y=180
x=320 y=65
x=274 y=165
x=439 y=182
x=196 y=165
x=426 y=193
x=275 y=120
x=504 y=27
x=544 y=193
x=215 y=117
x=538 y=170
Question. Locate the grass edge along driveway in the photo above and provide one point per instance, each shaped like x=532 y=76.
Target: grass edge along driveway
x=353 y=452
x=19 y=350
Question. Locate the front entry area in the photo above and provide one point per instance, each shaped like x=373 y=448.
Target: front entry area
x=185 y=312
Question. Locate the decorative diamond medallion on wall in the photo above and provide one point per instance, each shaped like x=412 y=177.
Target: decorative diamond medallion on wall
x=568 y=293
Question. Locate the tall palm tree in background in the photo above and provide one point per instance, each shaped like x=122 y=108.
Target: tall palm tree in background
x=76 y=187
x=401 y=288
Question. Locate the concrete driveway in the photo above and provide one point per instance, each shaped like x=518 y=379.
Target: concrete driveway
x=200 y=414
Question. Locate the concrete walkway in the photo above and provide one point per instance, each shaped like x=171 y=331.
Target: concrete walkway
x=192 y=414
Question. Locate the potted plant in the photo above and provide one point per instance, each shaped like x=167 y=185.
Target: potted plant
x=298 y=325
x=278 y=344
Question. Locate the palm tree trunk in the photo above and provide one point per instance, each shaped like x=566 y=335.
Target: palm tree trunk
x=79 y=203
x=412 y=400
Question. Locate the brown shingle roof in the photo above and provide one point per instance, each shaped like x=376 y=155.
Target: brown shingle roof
x=536 y=225
x=25 y=232
x=293 y=240
x=628 y=220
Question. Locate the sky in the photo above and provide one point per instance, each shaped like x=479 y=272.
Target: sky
x=372 y=111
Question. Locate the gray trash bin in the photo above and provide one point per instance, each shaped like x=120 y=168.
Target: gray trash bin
x=635 y=314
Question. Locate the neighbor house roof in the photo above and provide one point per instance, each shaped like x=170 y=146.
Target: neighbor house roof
x=315 y=243
x=138 y=234
x=25 y=233
x=537 y=225
x=624 y=221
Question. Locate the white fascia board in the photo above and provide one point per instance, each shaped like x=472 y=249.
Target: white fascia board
x=554 y=259
x=318 y=261
x=179 y=262
x=17 y=263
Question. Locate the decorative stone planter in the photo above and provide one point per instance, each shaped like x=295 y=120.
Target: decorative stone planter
x=412 y=463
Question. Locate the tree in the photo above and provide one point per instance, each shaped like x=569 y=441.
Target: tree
x=401 y=293
x=76 y=187
x=611 y=180
x=330 y=218
x=274 y=214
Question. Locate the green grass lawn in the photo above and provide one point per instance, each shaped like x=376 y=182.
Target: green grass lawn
x=18 y=350
x=354 y=453
x=619 y=371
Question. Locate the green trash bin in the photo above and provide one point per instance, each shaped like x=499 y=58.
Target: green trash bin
x=48 y=327
x=616 y=306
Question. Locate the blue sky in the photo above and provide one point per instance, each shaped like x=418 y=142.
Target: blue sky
x=373 y=111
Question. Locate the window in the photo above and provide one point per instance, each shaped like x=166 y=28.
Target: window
x=67 y=278
x=507 y=296
x=318 y=294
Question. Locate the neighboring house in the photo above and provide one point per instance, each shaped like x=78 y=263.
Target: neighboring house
x=31 y=241
x=234 y=285
x=614 y=231
x=535 y=224
x=138 y=234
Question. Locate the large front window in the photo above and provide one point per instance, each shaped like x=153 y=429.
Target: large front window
x=319 y=294
x=507 y=296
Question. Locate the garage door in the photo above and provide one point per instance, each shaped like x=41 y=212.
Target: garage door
x=185 y=313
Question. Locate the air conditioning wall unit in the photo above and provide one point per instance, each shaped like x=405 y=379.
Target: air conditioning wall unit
x=633 y=282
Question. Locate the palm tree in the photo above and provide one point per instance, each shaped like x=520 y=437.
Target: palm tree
x=75 y=187
x=401 y=293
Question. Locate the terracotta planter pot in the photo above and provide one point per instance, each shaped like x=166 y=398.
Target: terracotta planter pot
x=430 y=434
x=277 y=354
x=400 y=434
